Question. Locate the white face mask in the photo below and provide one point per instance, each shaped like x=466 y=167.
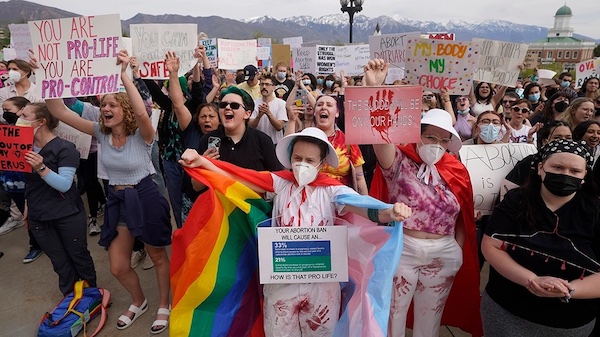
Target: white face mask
x=431 y=153
x=304 y=173
x=14 y=76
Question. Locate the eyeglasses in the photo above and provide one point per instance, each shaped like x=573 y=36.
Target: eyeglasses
x=266 y=84
x=504 y=101
x=487 y=121
x=233 y=105
x=518 y=109
x=436 y=140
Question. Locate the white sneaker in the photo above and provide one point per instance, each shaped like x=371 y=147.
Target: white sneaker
x=136 y=257
x=10 y=224
x=147 y=263
x=95 y=229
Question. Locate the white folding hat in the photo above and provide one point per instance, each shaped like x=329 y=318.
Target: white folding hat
x=283 y=150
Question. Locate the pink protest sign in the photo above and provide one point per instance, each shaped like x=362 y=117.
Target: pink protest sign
x=383 y=115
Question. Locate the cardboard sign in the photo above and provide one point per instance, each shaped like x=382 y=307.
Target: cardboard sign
x=281 y=53
x=392 y=49
x=81 y=140
x=383 y=115
x=585 y=70
x=152 y=41
x=76 y=56
x=499 y=61
x=211 y=51
x=351 y=59
x=293 y=42
x=15 y=141
x=325 y=64
x=304 y=59
x=236 y=54
x=303 y=254
x=20 y=40
x=488 y=165
x=435 y=64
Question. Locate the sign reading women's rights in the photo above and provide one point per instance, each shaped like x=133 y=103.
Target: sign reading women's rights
x=499 y=61
x=15 y=141
x=76 y=56
x=488 y=165
x=303 y=254
x=152 y=41
x=392 y=49
x=236 y=54
x=351 y=59
x=383 y=115
x=585 y=70
x=304 y=59
x=435 y=64
x=325 y=60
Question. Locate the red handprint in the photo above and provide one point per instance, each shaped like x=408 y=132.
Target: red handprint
x=380 y=116
x=318 y=318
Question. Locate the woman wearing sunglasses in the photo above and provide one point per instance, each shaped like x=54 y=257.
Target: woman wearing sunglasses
x=519 y=132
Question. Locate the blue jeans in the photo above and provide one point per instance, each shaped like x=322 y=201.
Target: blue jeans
x=174 y=178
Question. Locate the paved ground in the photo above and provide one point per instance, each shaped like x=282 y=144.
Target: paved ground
x=29 y=290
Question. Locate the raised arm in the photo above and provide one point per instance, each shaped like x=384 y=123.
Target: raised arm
x=184 y=116
x=59 y=110
x=447 y=104
x=500 y=91
x=136 y=101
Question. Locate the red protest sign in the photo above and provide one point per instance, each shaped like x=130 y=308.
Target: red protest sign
x=15 y=141
x=383 y=115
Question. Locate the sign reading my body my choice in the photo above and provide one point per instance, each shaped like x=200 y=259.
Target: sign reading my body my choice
x=76 y=56
x=303 y=254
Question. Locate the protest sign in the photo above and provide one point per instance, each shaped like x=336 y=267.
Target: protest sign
x=263 y=42
x=392 y=49
x=281 y=53
x=81 y=140
x=435 y=64
x=304 y=59
x=383 y=115
x=351 y=59
x=210 y=46
x=488 y=165
x=325 y=64
x=76 y=56
x=15 y=141
x=499 y=61
x=20 y=40
x=152 y=41
x=293 y=42
x=236 y=54
x=303 y=254
x=440 y=36
x=263 y=53
x=9 y=54
x=585 y=70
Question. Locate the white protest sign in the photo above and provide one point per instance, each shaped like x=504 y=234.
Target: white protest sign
x=152 y=41
x=351 y=59
x=264 y=42
x=81 y=140
x=9 y=54
x=325 y=63
x=499 y=62
x=263 y=53
x=76 y=56
x=303 y=254
x=294 y=42
x=392 y=49
x=488 y=165
x=211 y=51
x=304 y=59
x=20 y=40
x=236 y=54
x=585 y=70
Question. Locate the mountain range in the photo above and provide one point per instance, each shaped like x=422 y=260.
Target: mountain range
x=328 y=29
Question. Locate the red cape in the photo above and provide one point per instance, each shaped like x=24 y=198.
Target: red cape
x=462 y=307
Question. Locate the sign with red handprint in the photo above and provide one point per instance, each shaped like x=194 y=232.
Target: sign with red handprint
x=383 y=115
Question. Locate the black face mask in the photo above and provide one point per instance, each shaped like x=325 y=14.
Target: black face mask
x=597 y=112
x=561 y=185
x=10 y=117
x=561 y=106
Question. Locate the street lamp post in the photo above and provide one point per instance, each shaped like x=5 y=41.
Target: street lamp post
x=351 y=7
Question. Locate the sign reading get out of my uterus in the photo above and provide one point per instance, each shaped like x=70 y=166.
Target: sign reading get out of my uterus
x=76 y=56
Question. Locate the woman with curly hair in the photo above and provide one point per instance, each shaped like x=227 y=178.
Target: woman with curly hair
x=135 y=208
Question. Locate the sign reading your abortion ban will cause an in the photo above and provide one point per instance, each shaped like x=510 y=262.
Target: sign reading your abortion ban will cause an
x=303 y=254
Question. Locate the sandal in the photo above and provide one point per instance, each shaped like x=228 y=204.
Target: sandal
x=137 y=312
x=163 y=323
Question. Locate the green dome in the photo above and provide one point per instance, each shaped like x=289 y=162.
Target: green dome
x=564 y=10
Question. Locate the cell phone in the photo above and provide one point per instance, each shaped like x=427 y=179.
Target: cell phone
x=214 y=143
x=301 y=97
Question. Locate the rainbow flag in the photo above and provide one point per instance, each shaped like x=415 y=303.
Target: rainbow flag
x=214 y=263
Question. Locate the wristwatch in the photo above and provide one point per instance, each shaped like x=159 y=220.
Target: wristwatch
x=41 y=169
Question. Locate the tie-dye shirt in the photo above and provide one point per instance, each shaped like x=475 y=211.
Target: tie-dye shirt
x=343 y=171
x=434 y=208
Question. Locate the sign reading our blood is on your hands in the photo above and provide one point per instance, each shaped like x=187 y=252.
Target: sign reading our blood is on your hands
x=383 y=115
x=76 y=56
